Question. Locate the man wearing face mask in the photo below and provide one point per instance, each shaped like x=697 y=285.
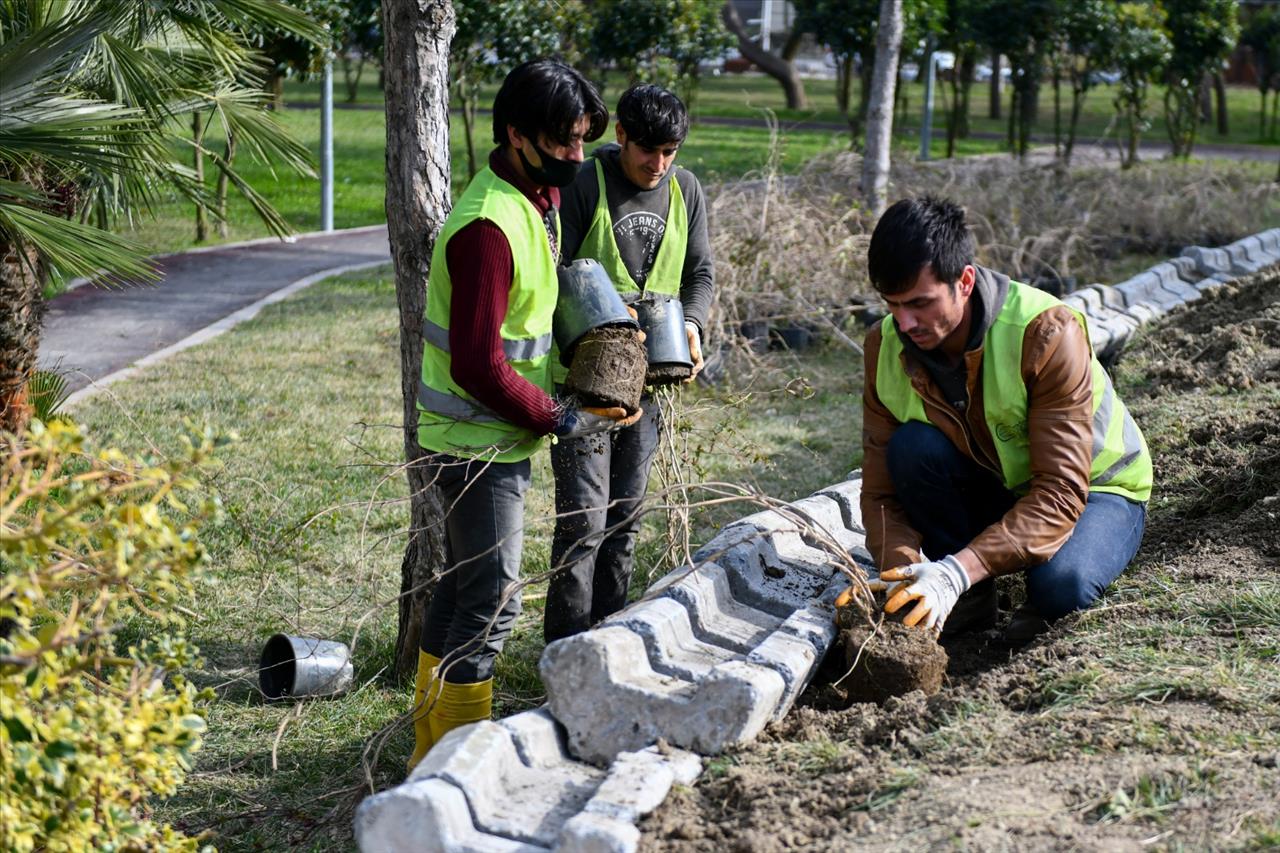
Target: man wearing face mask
x=485 y=401
x=644 y=219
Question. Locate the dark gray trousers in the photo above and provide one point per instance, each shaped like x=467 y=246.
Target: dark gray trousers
x=484 y=535
x=600 y=482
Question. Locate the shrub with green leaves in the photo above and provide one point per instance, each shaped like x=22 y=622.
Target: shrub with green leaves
x=89 y=730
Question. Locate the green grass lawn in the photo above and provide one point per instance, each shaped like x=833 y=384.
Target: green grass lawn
x=716 y=152
x=315 y=529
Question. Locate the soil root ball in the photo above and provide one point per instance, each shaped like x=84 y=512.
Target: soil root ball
x=874 y=667
x=608 y=368
x=667 y=374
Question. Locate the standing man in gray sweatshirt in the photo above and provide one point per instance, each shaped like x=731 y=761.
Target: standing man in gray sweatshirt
x=645 y=220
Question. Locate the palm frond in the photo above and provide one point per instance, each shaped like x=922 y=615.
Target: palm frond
x=47 y=51
x=251 y=15
x=70 y=249
x=242 y=111
x=49 y=392
x=93 y=134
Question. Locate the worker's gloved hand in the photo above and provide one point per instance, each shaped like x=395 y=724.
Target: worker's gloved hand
x=695 y=348
x=934 y=586
x=640 y=335
x=588 y=420
x=846 y=597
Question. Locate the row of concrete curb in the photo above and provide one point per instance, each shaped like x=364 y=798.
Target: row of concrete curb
x=1116 y=311
x=709 y=655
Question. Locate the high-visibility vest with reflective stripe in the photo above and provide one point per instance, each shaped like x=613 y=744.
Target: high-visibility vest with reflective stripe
x=1121 y=462
x=601 y=245
x=449 y=419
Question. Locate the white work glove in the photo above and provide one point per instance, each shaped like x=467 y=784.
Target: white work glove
x=695 y=348
x=934 y=586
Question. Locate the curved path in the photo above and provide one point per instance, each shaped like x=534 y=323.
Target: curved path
x=94 y=336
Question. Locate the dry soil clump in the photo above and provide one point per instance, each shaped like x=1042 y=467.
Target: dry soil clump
x=608 y=368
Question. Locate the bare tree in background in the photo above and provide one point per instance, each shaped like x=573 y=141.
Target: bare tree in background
x=779 y=65
x=875 y=164
x=416 y=66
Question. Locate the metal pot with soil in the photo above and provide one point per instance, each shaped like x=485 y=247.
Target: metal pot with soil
x=597 y=339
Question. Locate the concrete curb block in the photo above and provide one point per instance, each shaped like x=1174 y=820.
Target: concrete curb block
x=479 y=790
x=601 y=687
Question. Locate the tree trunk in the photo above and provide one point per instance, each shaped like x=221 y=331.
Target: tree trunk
x=202 y=215
x=996 y=94
x=351 y=74
x=778 y=66
x=1220 y=100
x=275 y=87
x=20 y=294
x=220 y=198
x=418 y=33
x=876 y=162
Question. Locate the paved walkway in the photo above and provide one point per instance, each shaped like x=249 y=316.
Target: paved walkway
x=94 y=335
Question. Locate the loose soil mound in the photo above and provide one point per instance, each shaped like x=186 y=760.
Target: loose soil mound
x=866 y=665
x=608 y=368
x=1149 y=722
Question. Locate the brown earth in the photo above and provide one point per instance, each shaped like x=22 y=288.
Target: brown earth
x=1149 y=722
x=608 y=368
x=667 y=374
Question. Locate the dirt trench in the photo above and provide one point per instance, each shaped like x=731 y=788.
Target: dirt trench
x=1149 y=722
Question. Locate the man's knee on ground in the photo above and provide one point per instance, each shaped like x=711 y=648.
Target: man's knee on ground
x=1055 y=590
x=919 y=452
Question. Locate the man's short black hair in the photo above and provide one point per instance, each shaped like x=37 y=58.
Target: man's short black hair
x=915 y=233
x=545 y=96
x=652 y=116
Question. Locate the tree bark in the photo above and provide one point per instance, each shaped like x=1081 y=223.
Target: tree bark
x=20 y=294
x=994 y=107
x=416 y=67
x=220 y=194
x=1220 y=100
x=876 y=162
x=778 y=66
x=197 y=136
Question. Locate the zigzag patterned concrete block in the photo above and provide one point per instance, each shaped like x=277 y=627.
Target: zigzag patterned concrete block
x=1170 y=275
x=758 y=575
x=511 y=786
x=1241 y=263
x=1208 y=261
x=601 y=687
x=848 y=496
x=429 y=815
x=1147 y=287
x=669 y=639
x=715 y=614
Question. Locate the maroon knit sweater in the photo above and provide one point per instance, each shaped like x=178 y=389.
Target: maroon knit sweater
x=480 y=266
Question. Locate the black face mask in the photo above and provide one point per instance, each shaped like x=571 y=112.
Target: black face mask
x=553 y=172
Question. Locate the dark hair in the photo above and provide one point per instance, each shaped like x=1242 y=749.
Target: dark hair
x=652 y=116
x=547 y=97
x=915 y=233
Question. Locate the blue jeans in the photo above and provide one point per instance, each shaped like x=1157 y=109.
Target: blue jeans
x=950 y=499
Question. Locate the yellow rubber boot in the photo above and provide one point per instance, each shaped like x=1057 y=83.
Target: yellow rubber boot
x=460 y=704
x=426 y=689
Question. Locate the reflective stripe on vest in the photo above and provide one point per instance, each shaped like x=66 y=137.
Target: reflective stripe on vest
x=668 y=267
x=521 y=349
x=449 y=419
x=1121 y=463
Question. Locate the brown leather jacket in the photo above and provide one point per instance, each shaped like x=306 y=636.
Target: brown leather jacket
x=1056 y=370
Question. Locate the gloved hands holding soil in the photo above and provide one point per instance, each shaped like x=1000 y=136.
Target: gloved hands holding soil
x=589 y=420
x=934 y=586
x=695 y=349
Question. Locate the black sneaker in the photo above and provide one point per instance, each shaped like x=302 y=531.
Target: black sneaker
x=976 y=610
x=1024 y=626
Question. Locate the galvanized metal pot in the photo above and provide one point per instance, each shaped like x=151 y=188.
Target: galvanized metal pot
x=303 y=666
x=588 y=300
